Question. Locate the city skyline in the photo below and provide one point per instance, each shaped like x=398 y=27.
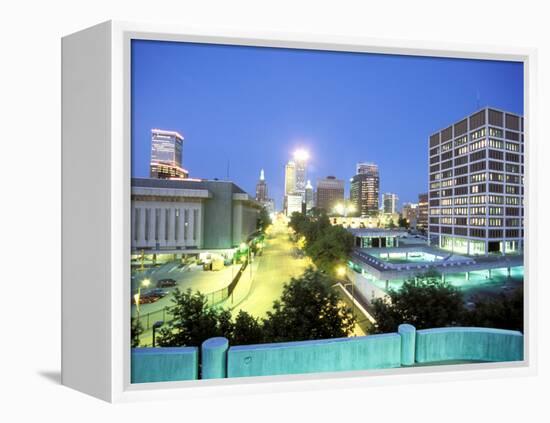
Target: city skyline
x=193 y=89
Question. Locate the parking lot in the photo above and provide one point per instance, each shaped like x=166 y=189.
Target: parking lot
x=191 y=276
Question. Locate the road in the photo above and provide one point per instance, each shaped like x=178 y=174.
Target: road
x=276 y=266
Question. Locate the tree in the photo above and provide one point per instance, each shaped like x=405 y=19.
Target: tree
x=193 y=321
x=264 y=220
x=502 y=312
x=308 y=309
x=327 y=245
x=424 y=303
x=391 y=224
x=402 y=222
x=331 y=248
x=246 y=330
x=136 y=330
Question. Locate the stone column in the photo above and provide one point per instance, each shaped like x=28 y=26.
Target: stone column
x=141 y=226
x=172 y=227
x=181 y=228
x=151 y=229
x=214 y=358
x=162 y=227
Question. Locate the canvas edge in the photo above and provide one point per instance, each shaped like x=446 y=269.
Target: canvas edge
x=121 y=390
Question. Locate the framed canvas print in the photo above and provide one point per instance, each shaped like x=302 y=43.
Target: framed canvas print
x=272 y=211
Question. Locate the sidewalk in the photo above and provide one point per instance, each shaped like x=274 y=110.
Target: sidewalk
x=243 y=287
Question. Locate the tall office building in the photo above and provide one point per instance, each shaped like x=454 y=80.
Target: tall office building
x=290 y=177
x=262 y=192
x=300 y=158
x=390 y=202
x=166 y=155
x=422 y=213
x=409 y=212
x=330 y=192
x=290 y=183
x=476 y=184
x=310 y=201
x=261 y=188
x=295 y=178
x=365 y=189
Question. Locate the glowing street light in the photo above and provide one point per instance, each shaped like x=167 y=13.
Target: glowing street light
x=341 y=271
x=137 y=297
x=301 y=155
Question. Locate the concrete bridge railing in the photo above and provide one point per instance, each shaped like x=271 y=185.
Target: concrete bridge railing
x=406 y=347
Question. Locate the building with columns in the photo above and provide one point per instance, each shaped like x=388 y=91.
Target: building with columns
x=170 y=215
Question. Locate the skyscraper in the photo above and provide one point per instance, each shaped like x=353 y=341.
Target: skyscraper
x=166 y=155
x=262 y=194
x=476 y=184
x=330 y=192
x=310 y=201
x=300 y=158
x=422 y=213
x=390 y=202
x=410 y=213
x=290 y=183
x=261 y=188
x=290 y=177
x=365 y=189
x=295 y=177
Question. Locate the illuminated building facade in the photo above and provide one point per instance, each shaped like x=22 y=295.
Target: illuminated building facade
x=166 y=155
x=409 y=212
x=476 y=184
x=330 y=192
x=170 y=215
x=423 y=207
x=296 y=179
x=390 y=202
x=365 y=189
x=261 y=188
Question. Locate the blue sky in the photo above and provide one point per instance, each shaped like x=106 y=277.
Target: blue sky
x=247 y=108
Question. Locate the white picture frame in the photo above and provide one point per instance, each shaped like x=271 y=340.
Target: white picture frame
x=96 y=219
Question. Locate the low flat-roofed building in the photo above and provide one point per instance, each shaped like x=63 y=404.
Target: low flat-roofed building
x=378 y=221
x=190 y=214
x=376 y=237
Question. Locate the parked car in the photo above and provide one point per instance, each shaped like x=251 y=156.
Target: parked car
x=150 y=296
x=156 y=292
x=166 y=283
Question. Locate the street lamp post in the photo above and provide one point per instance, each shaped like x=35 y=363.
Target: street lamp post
x=156 y=326
x=137 y=298
x=341 y=272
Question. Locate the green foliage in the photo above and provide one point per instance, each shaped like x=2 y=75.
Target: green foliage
x=502 y=312
x=331 y=249
x=193 y=321
x=246 y=330
x=391 y=224
x=426 y=303
x=136 y=330
x=327 y=245
x=264 y=220
x=402 y=222
x=308 y=309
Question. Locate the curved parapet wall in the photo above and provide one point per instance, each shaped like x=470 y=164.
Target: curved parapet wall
x=327 y=355
x=468 y=343
x=164 y=364
x=408 y=347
